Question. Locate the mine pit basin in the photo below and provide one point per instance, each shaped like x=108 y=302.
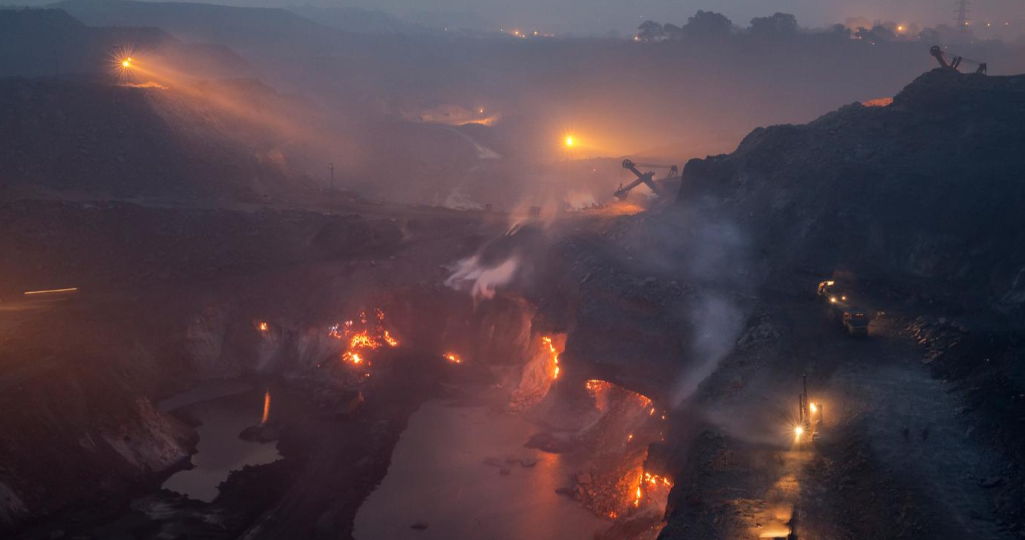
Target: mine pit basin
x=452 y=476
x=224 y=409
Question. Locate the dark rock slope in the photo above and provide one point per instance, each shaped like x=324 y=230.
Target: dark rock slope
x=929 y=187
x=100 y=140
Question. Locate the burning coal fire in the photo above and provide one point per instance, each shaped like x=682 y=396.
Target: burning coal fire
x=652 y=488
x=362 y=336
x=540 y=371
x=553 y=354
x=600 y=391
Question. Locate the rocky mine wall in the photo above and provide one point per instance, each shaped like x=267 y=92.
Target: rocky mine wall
x=926 y=188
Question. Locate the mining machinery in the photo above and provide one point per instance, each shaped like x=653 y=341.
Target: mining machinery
x=954 y=61
x=646 y=178
x=809 y=415
x=853 y=319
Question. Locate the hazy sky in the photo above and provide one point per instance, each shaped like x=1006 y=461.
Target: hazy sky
x=598 y=16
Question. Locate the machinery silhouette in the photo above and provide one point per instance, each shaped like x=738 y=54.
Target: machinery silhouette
x=646 y=178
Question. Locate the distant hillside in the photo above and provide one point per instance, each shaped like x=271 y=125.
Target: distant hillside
x=356 y=20
x=931 y=187
x=48 y=42
x=242 y=29
x=102 y=141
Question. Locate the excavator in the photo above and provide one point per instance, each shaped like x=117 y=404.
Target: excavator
x=810 y=416
x=954 y=61
x=647 y=178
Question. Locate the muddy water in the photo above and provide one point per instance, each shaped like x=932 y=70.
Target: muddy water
x=445 y=474
x=224 y=409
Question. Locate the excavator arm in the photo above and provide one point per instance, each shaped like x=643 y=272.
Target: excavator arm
x=647 y=178
x=954 y=62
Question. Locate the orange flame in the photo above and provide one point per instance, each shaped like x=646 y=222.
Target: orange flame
x=262 y=326
x=554 y=355
x=651 y=485
x=451 y=357
x=370 y=337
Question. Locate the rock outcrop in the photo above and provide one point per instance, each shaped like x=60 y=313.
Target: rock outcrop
x=927 y=188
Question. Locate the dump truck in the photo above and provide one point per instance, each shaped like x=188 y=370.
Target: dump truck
x=855 y=321
x=852 y=319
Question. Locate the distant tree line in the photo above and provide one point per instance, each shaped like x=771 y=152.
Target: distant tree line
x=709 y=25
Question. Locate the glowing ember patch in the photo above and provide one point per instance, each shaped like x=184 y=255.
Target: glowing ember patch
x=878 y=102
x=371 y=336
x=599 y=391
x=262 y=326
x=453 y=358
x=656 y=480
x=363 y=341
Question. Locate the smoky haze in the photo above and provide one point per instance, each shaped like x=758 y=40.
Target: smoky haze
x=396 y=111
x=598 y=17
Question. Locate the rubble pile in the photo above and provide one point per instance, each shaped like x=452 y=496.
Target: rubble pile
x=936 y=335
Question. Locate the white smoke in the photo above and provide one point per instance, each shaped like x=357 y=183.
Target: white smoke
x=580 y=199
x=717 y=324
x=482 y=281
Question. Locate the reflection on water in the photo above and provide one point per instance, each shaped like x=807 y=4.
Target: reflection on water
x=266 y=407
x=220 y=450
x=439 y=478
